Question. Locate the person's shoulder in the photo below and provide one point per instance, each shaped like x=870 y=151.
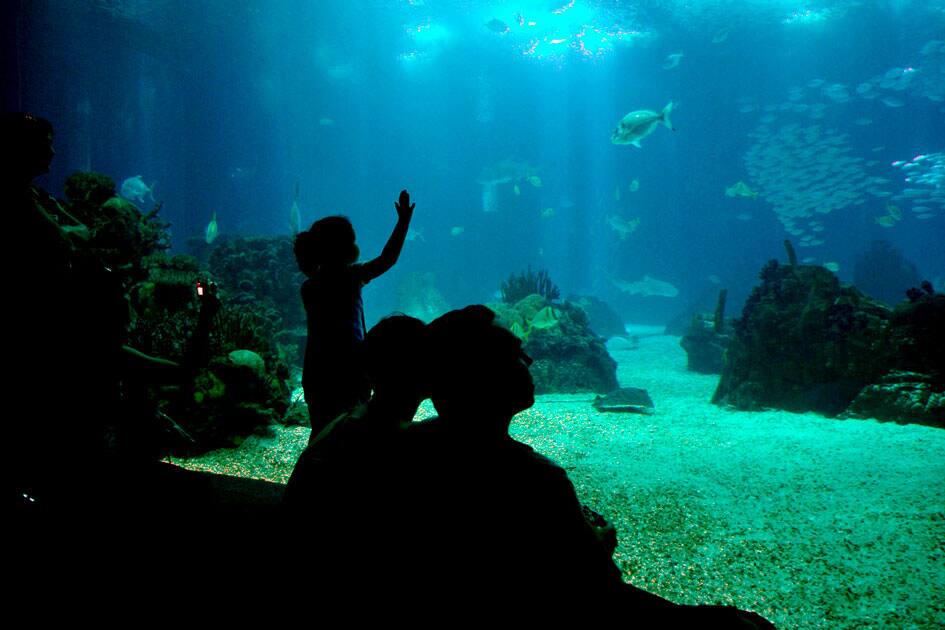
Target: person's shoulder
x=422 y=436
x=422 y=428
x=339 y=432
x=529 y=459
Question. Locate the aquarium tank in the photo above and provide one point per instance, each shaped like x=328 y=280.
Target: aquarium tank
x=717 y=228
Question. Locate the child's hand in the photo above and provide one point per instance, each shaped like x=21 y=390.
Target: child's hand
x=404 y=207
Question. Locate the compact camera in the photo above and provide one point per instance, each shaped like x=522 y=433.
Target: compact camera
x=204 y=288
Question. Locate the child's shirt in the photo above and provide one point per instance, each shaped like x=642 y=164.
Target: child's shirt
x=335 y=311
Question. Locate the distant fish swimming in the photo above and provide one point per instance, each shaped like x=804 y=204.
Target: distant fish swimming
x=497 y=26
x=741 y=189
x=622 y=226
x=721 y=36
x=672 y=61
x=212 y=229
x=639 y=124
x=646 y=287
x=134 y=189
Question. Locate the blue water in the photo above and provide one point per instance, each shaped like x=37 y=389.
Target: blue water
x=228 y=105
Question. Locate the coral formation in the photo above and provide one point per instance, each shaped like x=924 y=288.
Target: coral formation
x=120 y=235
x=568 y=356
x=241 y=390
x=805 y=342
x=913 y=389
x=261 y=272
x=901 y=396
x=518 y=287
x=418 y=296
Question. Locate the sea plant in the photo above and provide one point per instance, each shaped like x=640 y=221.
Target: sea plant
x=528 y=283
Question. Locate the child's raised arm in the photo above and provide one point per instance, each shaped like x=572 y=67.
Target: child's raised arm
x=391 y=252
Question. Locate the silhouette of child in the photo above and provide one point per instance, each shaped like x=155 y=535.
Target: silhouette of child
x=333 y=375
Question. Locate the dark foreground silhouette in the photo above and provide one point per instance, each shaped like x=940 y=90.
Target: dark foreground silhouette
x=456 y=510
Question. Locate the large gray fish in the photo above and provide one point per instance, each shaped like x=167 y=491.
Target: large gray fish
x=639 y=124
x=134 y=189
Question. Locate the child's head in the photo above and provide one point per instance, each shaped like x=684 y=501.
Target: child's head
x=330 y=241
x=395 y=354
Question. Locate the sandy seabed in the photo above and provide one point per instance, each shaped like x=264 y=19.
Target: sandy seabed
x=810 y=521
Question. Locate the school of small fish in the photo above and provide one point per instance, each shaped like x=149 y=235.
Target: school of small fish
x=805 y=168
x=804 y=171
x=924 y=176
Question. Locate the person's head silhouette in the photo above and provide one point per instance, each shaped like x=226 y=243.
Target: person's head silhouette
x=330 y=241
x=395 y=353
x=480 y=372
x=28 y=144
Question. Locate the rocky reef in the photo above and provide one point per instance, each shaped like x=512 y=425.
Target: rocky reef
x=237 y=384
x=707 y=338
x=913 y=387
x=260 y=274
x=418 y=296
x=519 y=286
x=603 y=319
x=805 y=342
x=121 y=235
x=238 y=388
x=261 y=270
x=568 y=356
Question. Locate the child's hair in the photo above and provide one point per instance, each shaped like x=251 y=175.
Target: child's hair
x=329 y=240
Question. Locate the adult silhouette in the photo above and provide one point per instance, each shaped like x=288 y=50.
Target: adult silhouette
x=494 y=523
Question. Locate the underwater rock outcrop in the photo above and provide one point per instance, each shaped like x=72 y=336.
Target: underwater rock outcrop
x=241 y=388
x=901 y=397
x=603 y=319
x=568 y=356
x=234 y=397
x=913 y=387
x=418 y=296
x=707 y=338
x=121 y=236
x=261 y=274
x=805 y=342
